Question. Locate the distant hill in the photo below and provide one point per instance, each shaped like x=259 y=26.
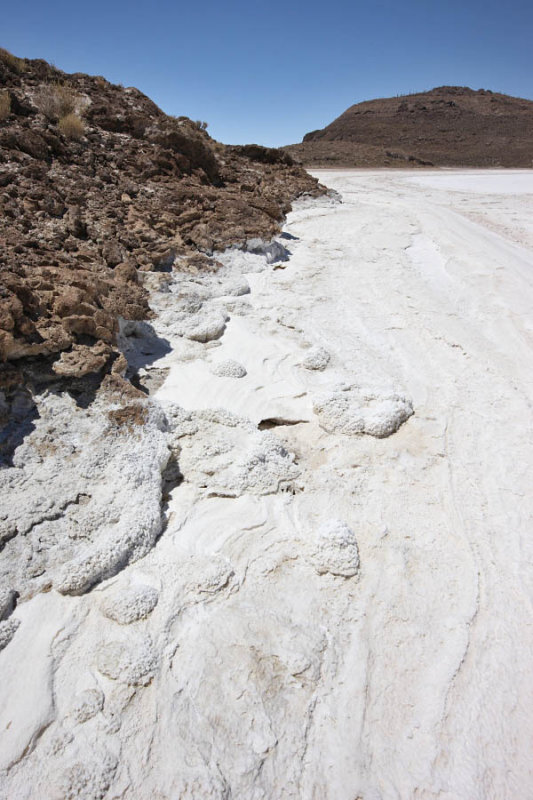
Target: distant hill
x=447 y=126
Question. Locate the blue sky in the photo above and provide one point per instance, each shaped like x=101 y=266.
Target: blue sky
x=268 y=72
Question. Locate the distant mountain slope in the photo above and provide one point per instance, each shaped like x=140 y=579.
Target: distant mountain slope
x=447 y=126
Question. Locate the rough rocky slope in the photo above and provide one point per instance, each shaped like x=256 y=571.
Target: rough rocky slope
x=447 y=126
x=97 y=186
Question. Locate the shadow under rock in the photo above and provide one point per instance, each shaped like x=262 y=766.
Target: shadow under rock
x=142 y=347
x=273 y=251
x=17 y=415
x=172 y=477
x=140 y=344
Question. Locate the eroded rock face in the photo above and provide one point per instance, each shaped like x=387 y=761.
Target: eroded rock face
x=137 y=191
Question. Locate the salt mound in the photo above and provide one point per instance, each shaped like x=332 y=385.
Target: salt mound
x=133 y=662
x=87 y=704
x=187 y=311
x=203 y=327
x=85 y=779
x=209 y=574
x=316 y=359
x=337 y=551
x=228 y=455
x=131 y=604
x=236 y=288
x=355 y=412
x=228 y=369
x=84 y=495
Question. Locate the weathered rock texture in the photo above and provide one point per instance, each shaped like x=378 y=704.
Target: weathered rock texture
x=448 y=126
x=87 y=205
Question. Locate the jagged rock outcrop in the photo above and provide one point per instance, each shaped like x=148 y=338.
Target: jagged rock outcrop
x=99 y=185
x=447 y=126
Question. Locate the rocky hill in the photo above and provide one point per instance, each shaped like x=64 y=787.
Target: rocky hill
x=447 y=126
x=98 y=187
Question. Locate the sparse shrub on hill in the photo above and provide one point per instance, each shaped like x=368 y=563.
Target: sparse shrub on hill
x=202 y=126
x=71 y=126
x=5 y=105
x=58 y=100
x=18 y=65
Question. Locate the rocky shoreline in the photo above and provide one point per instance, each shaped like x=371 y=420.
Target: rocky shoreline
x=87 y=211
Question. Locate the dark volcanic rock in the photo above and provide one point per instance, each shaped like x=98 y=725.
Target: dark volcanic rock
x=448 y=126
x=88 y=204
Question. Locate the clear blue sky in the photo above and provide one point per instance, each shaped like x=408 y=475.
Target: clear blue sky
x=270 y=71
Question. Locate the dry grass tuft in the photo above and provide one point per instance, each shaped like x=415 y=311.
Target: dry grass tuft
x=58 y=100
x=5 y=105
x=18 y=65
x=71 y=126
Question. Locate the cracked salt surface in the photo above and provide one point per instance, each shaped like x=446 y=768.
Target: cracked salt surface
x=333 y=600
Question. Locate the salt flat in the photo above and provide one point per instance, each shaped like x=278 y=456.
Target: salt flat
x=339 y=603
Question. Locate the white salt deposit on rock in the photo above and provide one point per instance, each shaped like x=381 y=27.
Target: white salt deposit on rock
x=236 y=288
x=229 y=456
x=85 y=779
x=228 y=369
x=206 y=576
x=132 y=662
x=87 y=704
x=337 y=551
x=203 y=327
x=131 y=604
x=84 y=495
x=354 y=412
x=316 y=359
